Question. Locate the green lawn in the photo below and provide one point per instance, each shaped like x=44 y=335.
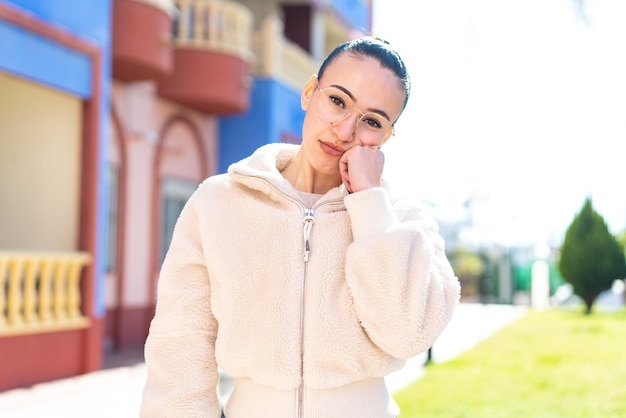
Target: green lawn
x=551 y=364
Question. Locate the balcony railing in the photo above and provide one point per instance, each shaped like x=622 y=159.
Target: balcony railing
x=220 y=25
x=40 y=292
x=166 y=5
x=279 y=58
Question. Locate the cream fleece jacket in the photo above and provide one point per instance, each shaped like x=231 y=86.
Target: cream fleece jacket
x=307 y=308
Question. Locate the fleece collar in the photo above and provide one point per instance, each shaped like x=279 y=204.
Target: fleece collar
x=262 y=170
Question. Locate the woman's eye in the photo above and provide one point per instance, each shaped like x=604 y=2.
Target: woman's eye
x=337 y=101
x=372 y=123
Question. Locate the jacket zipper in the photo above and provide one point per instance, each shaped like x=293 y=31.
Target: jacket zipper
x=307 y=225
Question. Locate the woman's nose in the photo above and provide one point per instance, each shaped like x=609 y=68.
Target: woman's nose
x=346 y=129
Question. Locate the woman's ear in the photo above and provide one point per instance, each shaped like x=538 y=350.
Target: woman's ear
x=307 y=92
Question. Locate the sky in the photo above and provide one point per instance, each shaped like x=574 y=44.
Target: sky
x=517 y=106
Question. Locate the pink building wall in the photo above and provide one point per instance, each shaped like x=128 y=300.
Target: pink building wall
x=153 y=138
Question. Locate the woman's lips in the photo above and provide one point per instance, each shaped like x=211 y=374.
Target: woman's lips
x=331 y=149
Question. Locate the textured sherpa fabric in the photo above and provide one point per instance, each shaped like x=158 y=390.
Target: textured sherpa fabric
x=236 y=292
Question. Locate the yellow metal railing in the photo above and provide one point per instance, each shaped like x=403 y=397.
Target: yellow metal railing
x=279 y=58
x=214 y=24
x=40 y=292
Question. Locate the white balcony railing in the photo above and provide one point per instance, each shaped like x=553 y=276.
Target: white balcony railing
x=167 y=6
x=279 y=58
x=214 y=24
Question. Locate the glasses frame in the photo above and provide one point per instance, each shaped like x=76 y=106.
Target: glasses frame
x=391 y=131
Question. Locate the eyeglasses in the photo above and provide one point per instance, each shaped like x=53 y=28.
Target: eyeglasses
x=334 y=105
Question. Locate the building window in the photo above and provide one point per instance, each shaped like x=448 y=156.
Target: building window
x=174 y=194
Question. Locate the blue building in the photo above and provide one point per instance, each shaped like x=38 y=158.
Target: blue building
x=111 y=113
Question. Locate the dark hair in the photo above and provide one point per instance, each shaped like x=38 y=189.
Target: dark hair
x=377 y=48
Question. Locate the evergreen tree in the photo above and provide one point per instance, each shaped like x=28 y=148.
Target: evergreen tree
x=591 y=258
x=622 y=241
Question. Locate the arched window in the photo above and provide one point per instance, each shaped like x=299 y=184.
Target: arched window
x=181 y=169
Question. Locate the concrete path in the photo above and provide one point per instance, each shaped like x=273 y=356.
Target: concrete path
x=116 y=393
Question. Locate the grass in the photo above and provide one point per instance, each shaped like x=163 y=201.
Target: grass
x=549 y=364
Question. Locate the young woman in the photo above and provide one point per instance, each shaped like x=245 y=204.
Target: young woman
x=297 y=272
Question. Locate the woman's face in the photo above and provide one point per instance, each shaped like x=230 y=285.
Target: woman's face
x=354 y=104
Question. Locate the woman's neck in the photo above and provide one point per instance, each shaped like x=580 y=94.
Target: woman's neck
x=303 y=177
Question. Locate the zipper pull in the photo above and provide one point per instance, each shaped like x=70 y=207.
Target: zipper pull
x=307 y=225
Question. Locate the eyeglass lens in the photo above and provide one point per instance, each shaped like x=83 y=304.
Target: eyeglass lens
x=334 y=105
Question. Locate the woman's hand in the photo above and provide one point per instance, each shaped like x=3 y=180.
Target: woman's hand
x=361 y=168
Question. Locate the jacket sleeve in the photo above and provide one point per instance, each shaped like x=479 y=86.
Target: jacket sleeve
x=402 y=284
x=182 y=373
